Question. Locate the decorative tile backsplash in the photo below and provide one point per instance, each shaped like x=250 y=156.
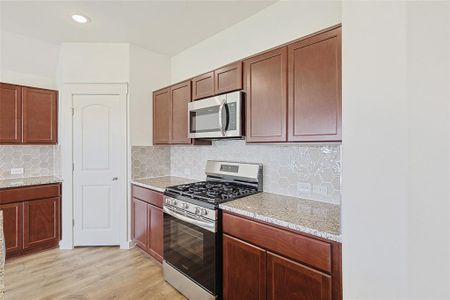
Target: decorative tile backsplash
x=306 y=171
x=150 y=161
x=35 y=160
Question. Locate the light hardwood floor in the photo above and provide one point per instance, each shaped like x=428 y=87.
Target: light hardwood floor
x=86 y=273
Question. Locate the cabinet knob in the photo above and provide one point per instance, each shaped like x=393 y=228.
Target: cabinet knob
x=115 y=178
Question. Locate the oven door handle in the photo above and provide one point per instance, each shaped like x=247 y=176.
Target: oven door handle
x=205 y=225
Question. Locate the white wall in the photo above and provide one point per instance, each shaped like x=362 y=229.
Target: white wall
x=95 y=62
x=279 y=23
x=396 y=165
x=27 y=61
x=374 y=174
x=148 y=72
x=428 y=83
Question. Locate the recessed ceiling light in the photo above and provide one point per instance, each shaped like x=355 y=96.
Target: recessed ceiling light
x=80 y=19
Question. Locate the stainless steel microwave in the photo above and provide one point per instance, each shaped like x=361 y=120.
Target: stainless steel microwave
x=216 y=117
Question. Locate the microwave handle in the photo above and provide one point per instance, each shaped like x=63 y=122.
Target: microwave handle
x=222 y=129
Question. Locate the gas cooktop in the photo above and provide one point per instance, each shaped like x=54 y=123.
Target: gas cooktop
x=214 y=192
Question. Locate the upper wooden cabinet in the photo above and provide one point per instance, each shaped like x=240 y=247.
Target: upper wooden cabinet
x=28 y=115
x=10 y=114
x=203 y=86
x=228 y=78
x=161 y=116
x=314 y=82
x=266 y=96
x=180 y=96
x=222 y=80
x=292 y=93
x=170 y=114
x=39 y=112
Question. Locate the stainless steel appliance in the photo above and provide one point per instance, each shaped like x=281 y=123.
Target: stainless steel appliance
x=192 y=231
x=216 y=117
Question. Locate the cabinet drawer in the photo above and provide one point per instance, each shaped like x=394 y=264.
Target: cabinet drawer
x=312 y=252
x=147 y=195
x=29 y=193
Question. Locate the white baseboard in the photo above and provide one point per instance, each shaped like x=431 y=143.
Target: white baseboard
x=127 y=245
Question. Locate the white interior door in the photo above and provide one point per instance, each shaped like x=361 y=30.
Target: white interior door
x=99 y=171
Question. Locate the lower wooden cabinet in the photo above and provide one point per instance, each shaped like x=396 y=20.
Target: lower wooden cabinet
x=244 y=270
x=31 y=218
x=140 y=223
x=156 y=232
x=12 y=227
x=265 y=262
x=147 y=221
x=287 y=279
x=40 y=222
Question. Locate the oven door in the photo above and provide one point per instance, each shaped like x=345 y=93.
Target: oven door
x=216 y=117
x=191 y=249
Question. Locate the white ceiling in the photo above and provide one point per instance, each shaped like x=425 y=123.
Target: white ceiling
x=167 y=27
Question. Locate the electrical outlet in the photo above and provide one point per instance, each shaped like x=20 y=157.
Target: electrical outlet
x=320 y=189
x=16 y=171
x=304 y=187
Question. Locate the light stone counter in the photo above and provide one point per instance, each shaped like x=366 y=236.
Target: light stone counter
x=19 y=182
x=313 y=217
x=2 y=259
x=159 y=184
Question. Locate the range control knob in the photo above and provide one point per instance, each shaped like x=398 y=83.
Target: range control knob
x=184 y=205
x=197 y=211
x=204 y=212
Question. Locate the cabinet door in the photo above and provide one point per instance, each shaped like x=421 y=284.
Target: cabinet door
x=287 y=279
x=10 y=114
x=161 y=116
x=244 y=270
x=140 y=223
x=12 y=227
x=314 y=82
x=39 y=116
x=180 y=95
x=266 y=98
x=203 y=86
x=228 y=78
x=156 y=241
x=40 y=222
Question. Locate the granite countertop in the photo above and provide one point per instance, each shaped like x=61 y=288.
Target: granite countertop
x=160 y=183
x=19 y=182
x=2 y=258
x=313 y=217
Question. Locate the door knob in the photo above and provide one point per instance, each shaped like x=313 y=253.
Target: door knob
x=115 y=178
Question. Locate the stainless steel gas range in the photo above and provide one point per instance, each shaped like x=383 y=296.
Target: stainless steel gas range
x=192 y=230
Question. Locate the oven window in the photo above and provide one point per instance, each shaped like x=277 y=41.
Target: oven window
x=188 y=241
x=193 y=251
